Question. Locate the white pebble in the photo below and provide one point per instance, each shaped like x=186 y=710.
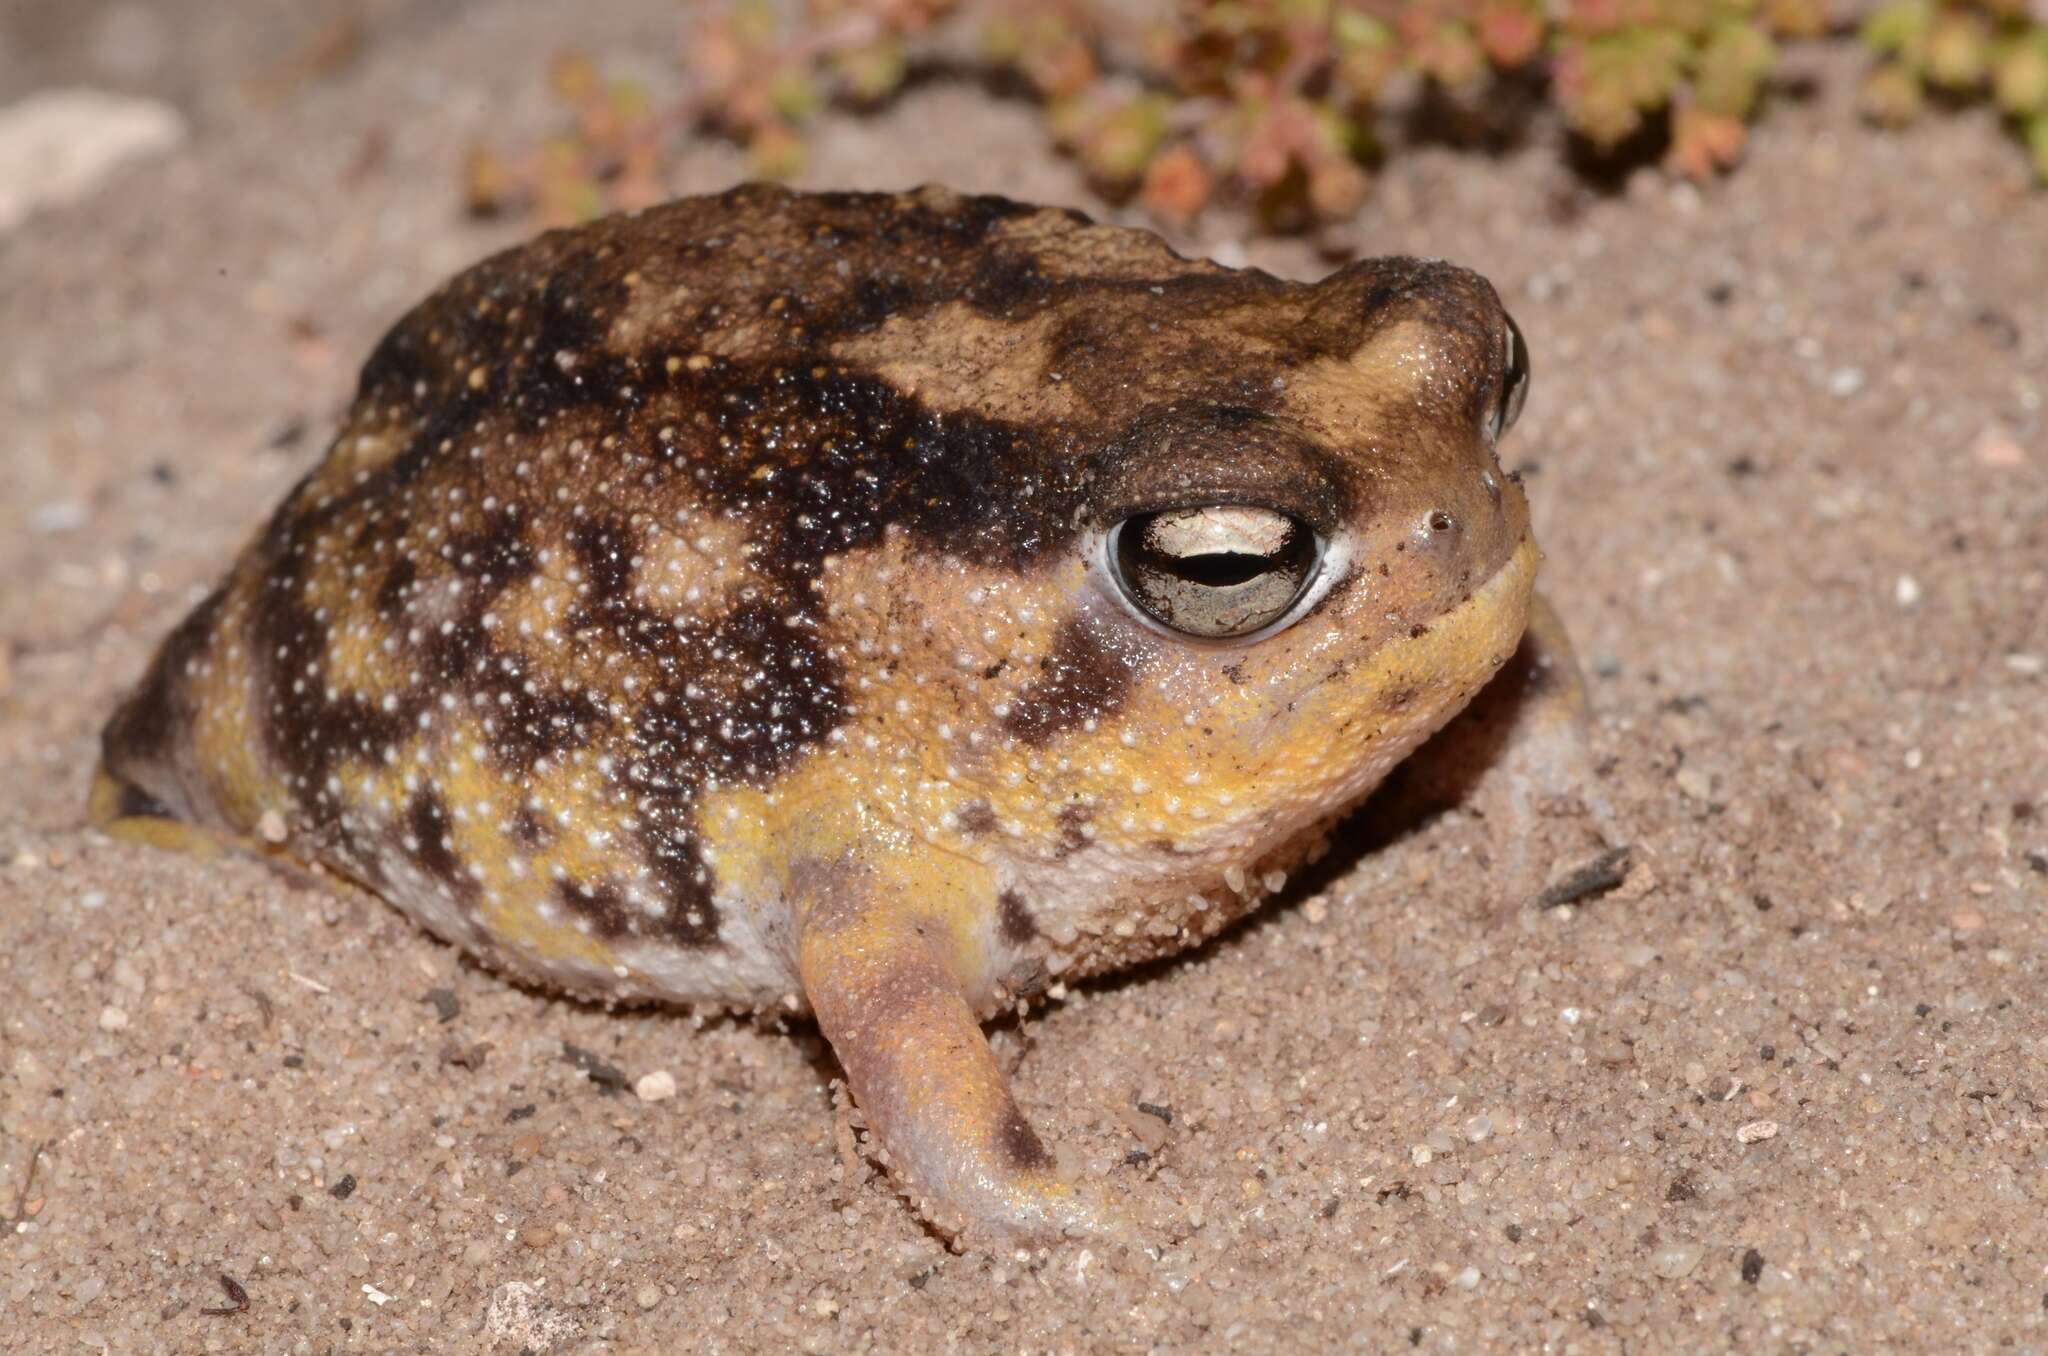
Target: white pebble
x=1675 y=1259
x=59 y=515
x=113 y=1019
x=59 y=145
x=658 y=1086
x=1756 y=1130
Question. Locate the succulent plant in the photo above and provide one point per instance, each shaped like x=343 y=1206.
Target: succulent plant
x=1961 y=49
x=1274 y=102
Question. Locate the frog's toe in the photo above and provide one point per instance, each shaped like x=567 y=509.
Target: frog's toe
x=1045 y=1207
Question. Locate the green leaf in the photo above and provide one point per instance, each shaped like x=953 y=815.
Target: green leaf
x=1897 y=27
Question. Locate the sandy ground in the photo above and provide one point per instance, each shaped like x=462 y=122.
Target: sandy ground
x=1790 y=462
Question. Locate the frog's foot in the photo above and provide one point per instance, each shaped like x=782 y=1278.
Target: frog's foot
x=124 y=811
x=883 y=977
x=1520 y=758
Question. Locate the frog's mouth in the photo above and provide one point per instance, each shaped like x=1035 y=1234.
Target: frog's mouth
x=1484 y=628
x=1420 y=677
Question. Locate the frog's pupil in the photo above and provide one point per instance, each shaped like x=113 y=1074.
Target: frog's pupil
x=1221 y=569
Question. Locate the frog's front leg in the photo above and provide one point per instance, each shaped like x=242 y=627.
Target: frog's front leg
x=889 y=959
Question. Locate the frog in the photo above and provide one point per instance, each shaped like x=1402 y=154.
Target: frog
x=875 y=607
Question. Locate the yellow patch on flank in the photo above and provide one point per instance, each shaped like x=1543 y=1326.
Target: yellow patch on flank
x=834 y=809
x=480 y=801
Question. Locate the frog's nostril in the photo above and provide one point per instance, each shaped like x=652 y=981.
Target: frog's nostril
x=1438 y=521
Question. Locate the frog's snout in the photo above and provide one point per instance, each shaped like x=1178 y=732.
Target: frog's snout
x=1435 y=549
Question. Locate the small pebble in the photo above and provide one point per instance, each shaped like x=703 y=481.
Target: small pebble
x=113 y=1019
x=1756 y=1130
x=1995 y=447
x=1675 y=1259
x=1468 y=1279
x=647 y=1296
x=658 y=1086
x=59 y=145
x=1907 y=590
x=59 y=515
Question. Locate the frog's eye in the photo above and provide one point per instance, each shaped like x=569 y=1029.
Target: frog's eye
x=1514 y=385
x=1225 y=570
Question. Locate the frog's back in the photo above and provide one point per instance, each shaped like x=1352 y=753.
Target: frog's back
x=556 y=580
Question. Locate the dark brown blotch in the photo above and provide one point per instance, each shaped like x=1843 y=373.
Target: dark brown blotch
x=144 y=733
x=605 y=548
x=1014 y=922
x=529 y=726
x=430 y=835
x=1018 y=1143
x=1081 y=679
x=1072 y=822
x=602 y=904
x=305 y=733
x=752 y=693
x=826 y=460
x=401 y=577
x=684 y=881
x=492 y=559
